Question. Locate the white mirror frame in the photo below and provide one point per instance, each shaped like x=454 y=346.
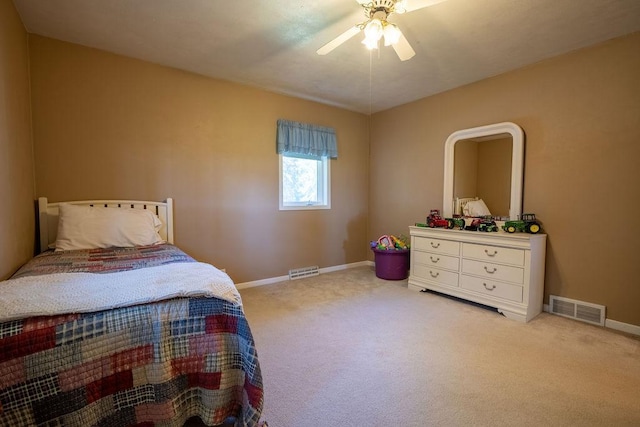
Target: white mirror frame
x=517 y=163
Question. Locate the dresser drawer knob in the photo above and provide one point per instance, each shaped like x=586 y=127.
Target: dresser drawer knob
x=435 y=245
x=434 y=260
x=489 y=288
x=495 y=252
x=434 y=275
x=490 y=271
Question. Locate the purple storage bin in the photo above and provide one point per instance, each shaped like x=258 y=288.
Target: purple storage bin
x=392 y=264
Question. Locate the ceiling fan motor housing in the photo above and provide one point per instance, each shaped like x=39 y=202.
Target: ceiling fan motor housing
x=387 y=4
x=380 y=9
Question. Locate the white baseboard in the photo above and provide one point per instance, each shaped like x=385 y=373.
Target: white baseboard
x=346 y=266
x=612 y=324
x=623 y=327
x=272 y=280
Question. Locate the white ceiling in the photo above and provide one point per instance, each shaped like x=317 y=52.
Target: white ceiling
x=272 y=44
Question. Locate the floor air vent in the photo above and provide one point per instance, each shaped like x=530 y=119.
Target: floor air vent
x=299 y=273
x=579 y=310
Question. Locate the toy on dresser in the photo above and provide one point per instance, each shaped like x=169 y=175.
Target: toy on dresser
x=527 y=223
x=472 y=224
x=435 y=220
x=482 y=224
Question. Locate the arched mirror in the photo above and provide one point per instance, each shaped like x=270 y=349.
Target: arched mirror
x=485 y=163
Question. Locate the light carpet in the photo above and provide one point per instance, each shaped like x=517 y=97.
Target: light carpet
x=349 y=349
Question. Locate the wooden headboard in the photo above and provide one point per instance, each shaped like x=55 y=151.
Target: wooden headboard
x=48 y=214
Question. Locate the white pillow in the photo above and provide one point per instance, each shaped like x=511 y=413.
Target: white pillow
x=476 y=208
x=86 y=227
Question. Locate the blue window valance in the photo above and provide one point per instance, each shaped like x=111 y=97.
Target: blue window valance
x=307 y=139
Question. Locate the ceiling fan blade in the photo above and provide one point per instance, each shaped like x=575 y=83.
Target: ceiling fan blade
x=411 y=5
x=403 y=48
x=338 y=40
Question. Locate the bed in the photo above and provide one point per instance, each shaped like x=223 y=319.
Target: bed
x=121 y=335
x=470 y=207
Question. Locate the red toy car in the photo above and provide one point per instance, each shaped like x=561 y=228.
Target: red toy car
x=435 y=220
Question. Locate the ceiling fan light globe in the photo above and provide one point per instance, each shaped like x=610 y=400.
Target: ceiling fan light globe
x=391 y=34
x=373 y=30
x=370 y=43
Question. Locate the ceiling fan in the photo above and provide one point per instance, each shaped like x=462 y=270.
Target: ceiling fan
x=377 y=26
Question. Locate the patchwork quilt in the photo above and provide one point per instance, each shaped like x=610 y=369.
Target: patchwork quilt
x=153 y=364
x=102 y=260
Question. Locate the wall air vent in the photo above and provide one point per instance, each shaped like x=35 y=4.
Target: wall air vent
x=300 y=273
x=578 y=310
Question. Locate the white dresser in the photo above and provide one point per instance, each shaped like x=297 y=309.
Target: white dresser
x=500 y=270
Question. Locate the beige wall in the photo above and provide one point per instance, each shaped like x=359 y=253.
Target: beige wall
x=465 y=169
x=106 y=126
x=494 y=174
x=581 y=116
x=16 y=159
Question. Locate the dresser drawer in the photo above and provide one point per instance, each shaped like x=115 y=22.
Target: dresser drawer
x=444 y=277
x=493 y=253
x=437 y=245
x=493 y=288
x=493 y=271
x=437 y=260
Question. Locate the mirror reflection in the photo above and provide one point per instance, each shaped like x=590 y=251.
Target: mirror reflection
x=482 y=169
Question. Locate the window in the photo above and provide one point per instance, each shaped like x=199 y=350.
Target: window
x=304 y=152
x=304 y=182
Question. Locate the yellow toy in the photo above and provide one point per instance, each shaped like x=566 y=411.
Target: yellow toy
x=398 y=243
